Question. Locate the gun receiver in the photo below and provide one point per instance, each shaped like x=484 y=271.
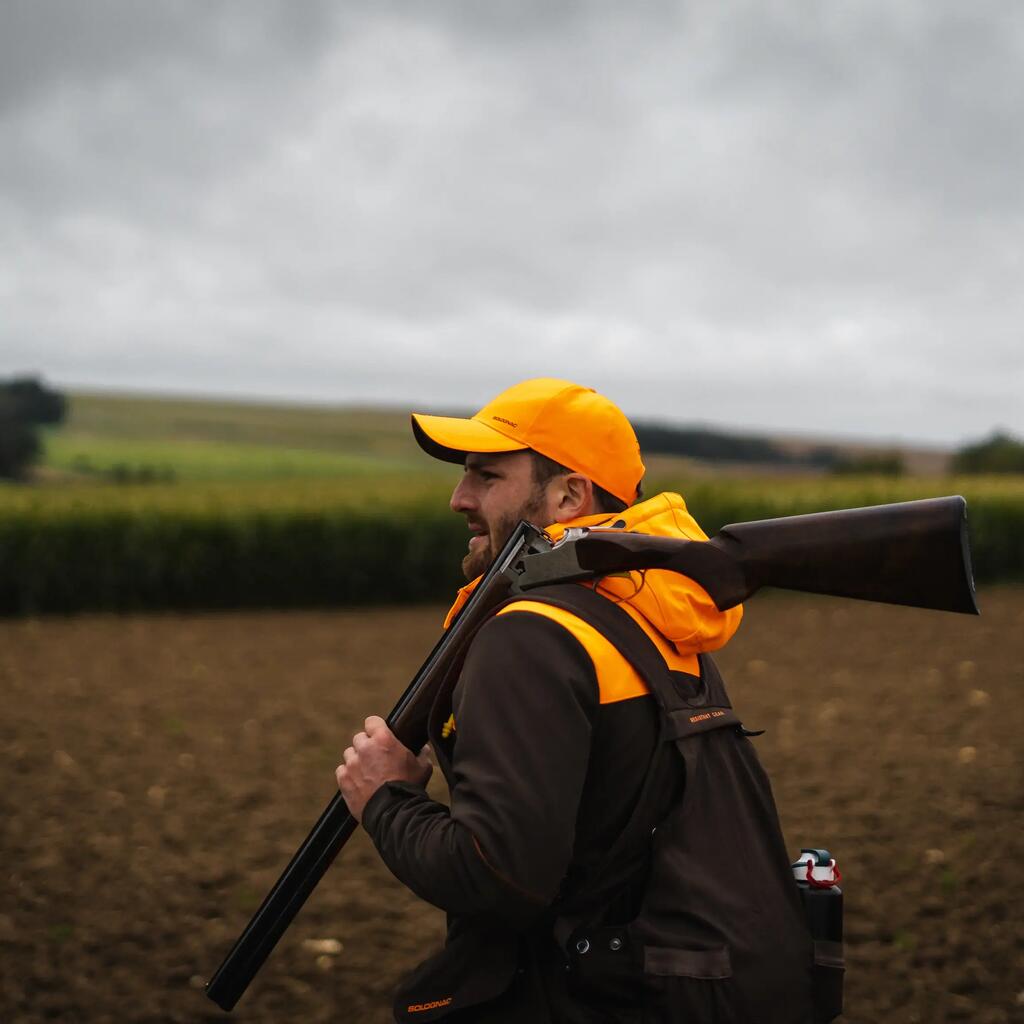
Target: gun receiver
x=913 y=553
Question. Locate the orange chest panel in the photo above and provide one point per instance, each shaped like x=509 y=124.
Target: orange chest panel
x=616 y=678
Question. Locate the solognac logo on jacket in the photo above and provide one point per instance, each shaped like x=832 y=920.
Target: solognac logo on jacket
x=501 y=419
x=434 y=1005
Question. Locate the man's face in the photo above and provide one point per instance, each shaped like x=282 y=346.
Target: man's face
x=495 y=492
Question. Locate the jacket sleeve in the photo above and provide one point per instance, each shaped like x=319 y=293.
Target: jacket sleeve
x=524 y=706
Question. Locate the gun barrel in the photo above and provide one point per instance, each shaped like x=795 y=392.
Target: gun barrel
x=281 y=904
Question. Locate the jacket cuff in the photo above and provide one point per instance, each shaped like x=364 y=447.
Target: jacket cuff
x=386 y=796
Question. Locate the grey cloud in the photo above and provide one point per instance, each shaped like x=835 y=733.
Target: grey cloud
x=133 y=107
x=677 y=199
x=48 y=45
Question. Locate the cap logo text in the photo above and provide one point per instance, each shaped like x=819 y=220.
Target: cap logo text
x=501 y=419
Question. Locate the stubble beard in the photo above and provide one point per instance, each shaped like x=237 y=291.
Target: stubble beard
x=476 y=562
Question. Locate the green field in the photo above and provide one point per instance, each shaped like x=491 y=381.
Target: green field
x=218 y=440
x=371 y=431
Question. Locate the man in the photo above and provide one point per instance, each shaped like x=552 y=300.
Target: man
x=561 y=906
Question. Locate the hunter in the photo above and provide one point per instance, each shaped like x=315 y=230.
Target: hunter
x=595 y=863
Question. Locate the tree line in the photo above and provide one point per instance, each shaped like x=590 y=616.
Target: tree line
x=999 y=453
x=717 y=446
x=26 y=404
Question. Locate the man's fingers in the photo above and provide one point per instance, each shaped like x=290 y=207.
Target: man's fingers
x=374 y=724
x=378 y=731
x=426 y=765
x=361 y=741
x=350 y=755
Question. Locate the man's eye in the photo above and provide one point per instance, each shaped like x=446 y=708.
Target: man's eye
x=485 y=475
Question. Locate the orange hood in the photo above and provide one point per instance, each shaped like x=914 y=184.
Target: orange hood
x=674 y=605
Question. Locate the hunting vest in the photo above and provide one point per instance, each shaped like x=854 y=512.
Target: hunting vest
x=718 y=935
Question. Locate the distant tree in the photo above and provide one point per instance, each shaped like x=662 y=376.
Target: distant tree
x=19 y=447
x=32 y=401
x=25 y=404
x=999 y=453
x=871 y=464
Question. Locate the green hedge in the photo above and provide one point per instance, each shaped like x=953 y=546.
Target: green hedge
x=125 y=552
x=118 y=561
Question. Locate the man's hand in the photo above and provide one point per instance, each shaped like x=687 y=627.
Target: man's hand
x=375 y=757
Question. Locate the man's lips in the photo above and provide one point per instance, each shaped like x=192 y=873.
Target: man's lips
x=478 y=535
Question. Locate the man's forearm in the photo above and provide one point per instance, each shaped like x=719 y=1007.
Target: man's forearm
x=438 y=858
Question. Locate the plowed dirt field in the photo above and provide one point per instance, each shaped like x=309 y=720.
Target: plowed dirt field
x=159 y=771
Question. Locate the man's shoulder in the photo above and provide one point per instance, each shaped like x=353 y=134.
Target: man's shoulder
x=525 y=661
x=552 y=639
x=524 y=623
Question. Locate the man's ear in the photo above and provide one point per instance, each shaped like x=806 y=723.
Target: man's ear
x=575 y=497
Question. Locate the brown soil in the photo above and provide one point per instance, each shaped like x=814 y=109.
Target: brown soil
x=159 y=771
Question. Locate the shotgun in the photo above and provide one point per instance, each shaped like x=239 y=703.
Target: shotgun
x=912 y=553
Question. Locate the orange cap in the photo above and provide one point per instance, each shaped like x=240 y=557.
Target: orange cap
x=571 y=424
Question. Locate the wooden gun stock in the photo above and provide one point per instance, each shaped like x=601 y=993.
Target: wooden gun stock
x=912 y=553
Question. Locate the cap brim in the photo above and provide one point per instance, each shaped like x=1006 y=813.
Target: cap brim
x=450 y=439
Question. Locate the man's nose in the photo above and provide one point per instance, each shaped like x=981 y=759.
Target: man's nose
x=462 y=498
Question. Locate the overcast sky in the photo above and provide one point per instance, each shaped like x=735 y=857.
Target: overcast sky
x=802 y=216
